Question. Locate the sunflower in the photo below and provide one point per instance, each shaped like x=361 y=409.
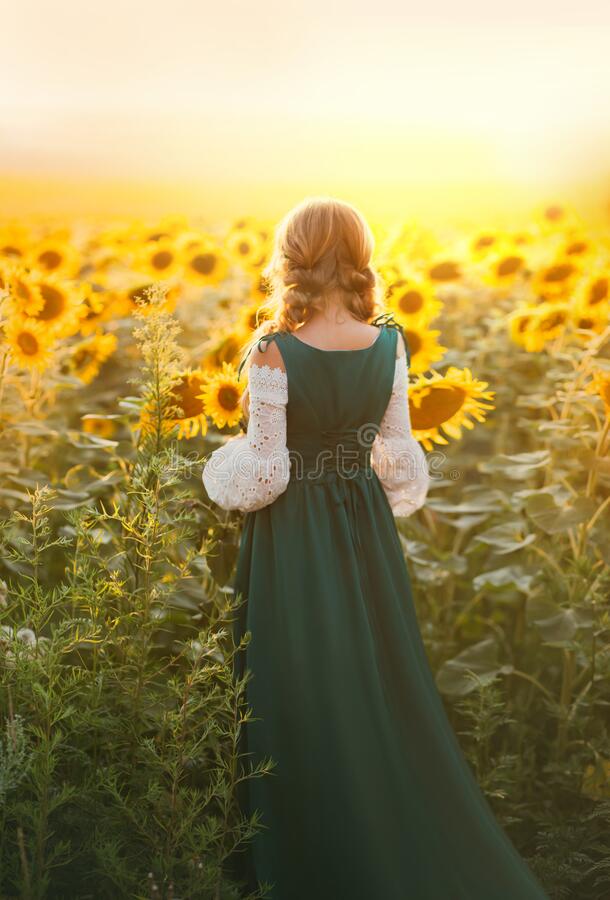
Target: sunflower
x=96 y=308
x=225 y=347
x=191 y=419
x=556 y=280
x=204 y=261
x=411 y=298
x=158 y=258
x=222 y=396
x=55 y=257
x=247 y=246
x=506 y=265
x=13 y=242
x=519 y=323
x=593 y=296
x=547 y=321
x=424 y=347
x=586 y=323
x=259 y=289
x=62 y=304
x=88 y=356
x=445 y=403
x=483 y=243
x=553 y=214
x=577 y=245
x=442 y=271
x=251 y=316
x=29 y=345
x=550 y=320
x=100 y=426
x=26 y=299
x=262 y=231
x=389 y=272
x=601 y=385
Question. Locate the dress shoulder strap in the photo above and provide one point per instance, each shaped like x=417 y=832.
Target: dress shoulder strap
x=387 y=320
x=261 y=345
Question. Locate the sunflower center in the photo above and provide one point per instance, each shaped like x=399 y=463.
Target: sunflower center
x=509 y=265
x=140 y=294
x=486 y=240
x=558 y=273
x=8 y=250
x=599 y=291
x=82 y=357
x=576 y=248
x=162 y=259
x=243 y=247
x=445 y=271
x=22 y=290
x=225 y=352
x=411 y=301
x=440 y=405
x=553 y=213
x=185 y=394
x=54 y=303
x=414 y=341
x=27 y=343
x=50 y=259
x=203 y=263
x=552 y=321
x=228 y=397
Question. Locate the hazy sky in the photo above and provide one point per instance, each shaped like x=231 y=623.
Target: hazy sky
x=347 y=90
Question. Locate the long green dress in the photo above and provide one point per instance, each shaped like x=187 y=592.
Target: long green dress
x=371 y=797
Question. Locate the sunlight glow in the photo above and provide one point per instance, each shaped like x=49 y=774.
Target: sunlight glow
x=265 y=97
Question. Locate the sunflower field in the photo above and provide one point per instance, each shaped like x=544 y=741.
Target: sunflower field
x=119 y=714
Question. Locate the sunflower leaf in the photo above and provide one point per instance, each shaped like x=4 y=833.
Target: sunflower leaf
x=553 y=518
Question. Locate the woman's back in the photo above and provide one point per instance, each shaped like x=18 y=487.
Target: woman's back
x=337 y=389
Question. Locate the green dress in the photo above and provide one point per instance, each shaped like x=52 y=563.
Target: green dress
x=371 y=797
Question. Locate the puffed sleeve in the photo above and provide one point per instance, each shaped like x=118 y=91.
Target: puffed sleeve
x=397 y=458
x=251 y=470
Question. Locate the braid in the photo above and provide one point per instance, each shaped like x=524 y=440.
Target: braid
x=322 y=249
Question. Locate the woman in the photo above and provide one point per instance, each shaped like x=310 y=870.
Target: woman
x=371 y=797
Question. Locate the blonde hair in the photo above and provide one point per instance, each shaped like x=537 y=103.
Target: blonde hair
x=322 y=250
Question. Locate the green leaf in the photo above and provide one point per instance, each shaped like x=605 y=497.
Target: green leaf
x=554 y=518
x=506 y=538
x=517 y=466
x=506 y=578
x=478 y=664
x=557 y=625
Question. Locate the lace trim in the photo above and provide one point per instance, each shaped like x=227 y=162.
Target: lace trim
x=398 y=458
x=268 y=383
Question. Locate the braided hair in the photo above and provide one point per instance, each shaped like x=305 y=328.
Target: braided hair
x=322 y=251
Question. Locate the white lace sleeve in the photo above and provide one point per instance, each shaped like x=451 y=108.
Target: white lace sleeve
x=397 y=458
x=251 y=470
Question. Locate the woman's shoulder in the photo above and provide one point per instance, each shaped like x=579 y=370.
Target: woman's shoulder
x=267 y=354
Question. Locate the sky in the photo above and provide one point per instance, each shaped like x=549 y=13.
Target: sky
x=441 y=100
